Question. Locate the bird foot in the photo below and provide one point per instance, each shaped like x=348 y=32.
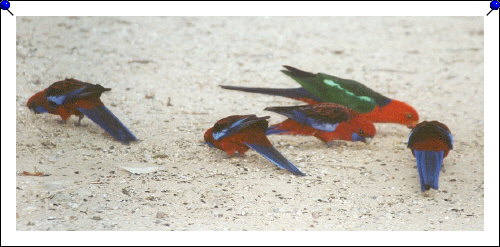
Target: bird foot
x=61 y=121
x=331 y=144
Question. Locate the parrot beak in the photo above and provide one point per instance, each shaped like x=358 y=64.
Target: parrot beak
x=31 y=106
x=412 y=125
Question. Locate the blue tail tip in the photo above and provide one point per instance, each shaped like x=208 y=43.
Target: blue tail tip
x=127 y=142
x=426 y=187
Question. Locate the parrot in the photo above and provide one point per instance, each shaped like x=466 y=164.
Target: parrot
x=238 y=133
x=325 y=121
x=430 y=142
x=73 y=97
x=320 y=87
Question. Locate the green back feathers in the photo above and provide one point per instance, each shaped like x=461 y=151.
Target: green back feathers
x=328 y=88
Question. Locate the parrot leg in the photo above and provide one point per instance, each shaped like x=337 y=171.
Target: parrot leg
x=64 y=116
x=79 y=123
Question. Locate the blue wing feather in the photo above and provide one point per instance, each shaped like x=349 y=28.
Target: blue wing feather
x=303 y=118
x=274 y=130
x=233 y=128
x=273 y=155
x=61 y=99
x=109 y=122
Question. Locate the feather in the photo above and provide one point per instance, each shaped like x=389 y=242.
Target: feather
x=225 y=129
x=429 y=166
x=294 y=93
x=324 y=116
x=109 y=122
x=274 y=130
x=273 y=155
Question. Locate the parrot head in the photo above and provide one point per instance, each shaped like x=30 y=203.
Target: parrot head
x=361 y=129
x=38 y=103
x=208 y=136
x=403 y=113
x=395 y=112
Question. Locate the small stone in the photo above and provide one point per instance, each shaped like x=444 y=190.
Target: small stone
x=54 y=185
x=73 y=204
x=161 y=215
x=315 y=215
x=96 y=218
x=30 y=209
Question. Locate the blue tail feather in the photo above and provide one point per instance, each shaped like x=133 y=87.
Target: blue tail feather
x=429 y=166
x=273 y=155
x=109 y=122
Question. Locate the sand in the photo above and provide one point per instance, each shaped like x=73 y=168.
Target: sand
x=164 y=74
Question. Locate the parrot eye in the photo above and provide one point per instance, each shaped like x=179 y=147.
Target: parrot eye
x=409 y=116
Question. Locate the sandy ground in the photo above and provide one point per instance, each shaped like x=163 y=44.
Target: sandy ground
x=435 y=64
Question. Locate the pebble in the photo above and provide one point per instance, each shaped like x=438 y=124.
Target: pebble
x=30 y=209
x=52 y=159
x=316 y=215
x=96 y=218
x=73 y=204
x=161 y=215
x=54 y=185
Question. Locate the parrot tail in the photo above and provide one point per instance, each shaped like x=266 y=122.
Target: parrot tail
x=109 y=122
x=429 y=166
x=294 y=93
x=273 y=155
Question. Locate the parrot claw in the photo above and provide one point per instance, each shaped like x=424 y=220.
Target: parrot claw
x=61 y=121
x=79 y=123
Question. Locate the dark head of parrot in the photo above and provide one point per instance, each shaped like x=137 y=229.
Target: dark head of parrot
x=38 y=103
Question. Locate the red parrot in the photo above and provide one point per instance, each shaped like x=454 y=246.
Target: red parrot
x=430 y=142
x=238 y=133
x=320 y=87
x=74 y=97
x=325 y=121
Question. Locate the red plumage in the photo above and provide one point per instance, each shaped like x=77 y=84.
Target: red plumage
x=314 y=120
x=90 y=98
x=394 y=112
x=234 y=143
x=236 y=134
x=74 y=97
